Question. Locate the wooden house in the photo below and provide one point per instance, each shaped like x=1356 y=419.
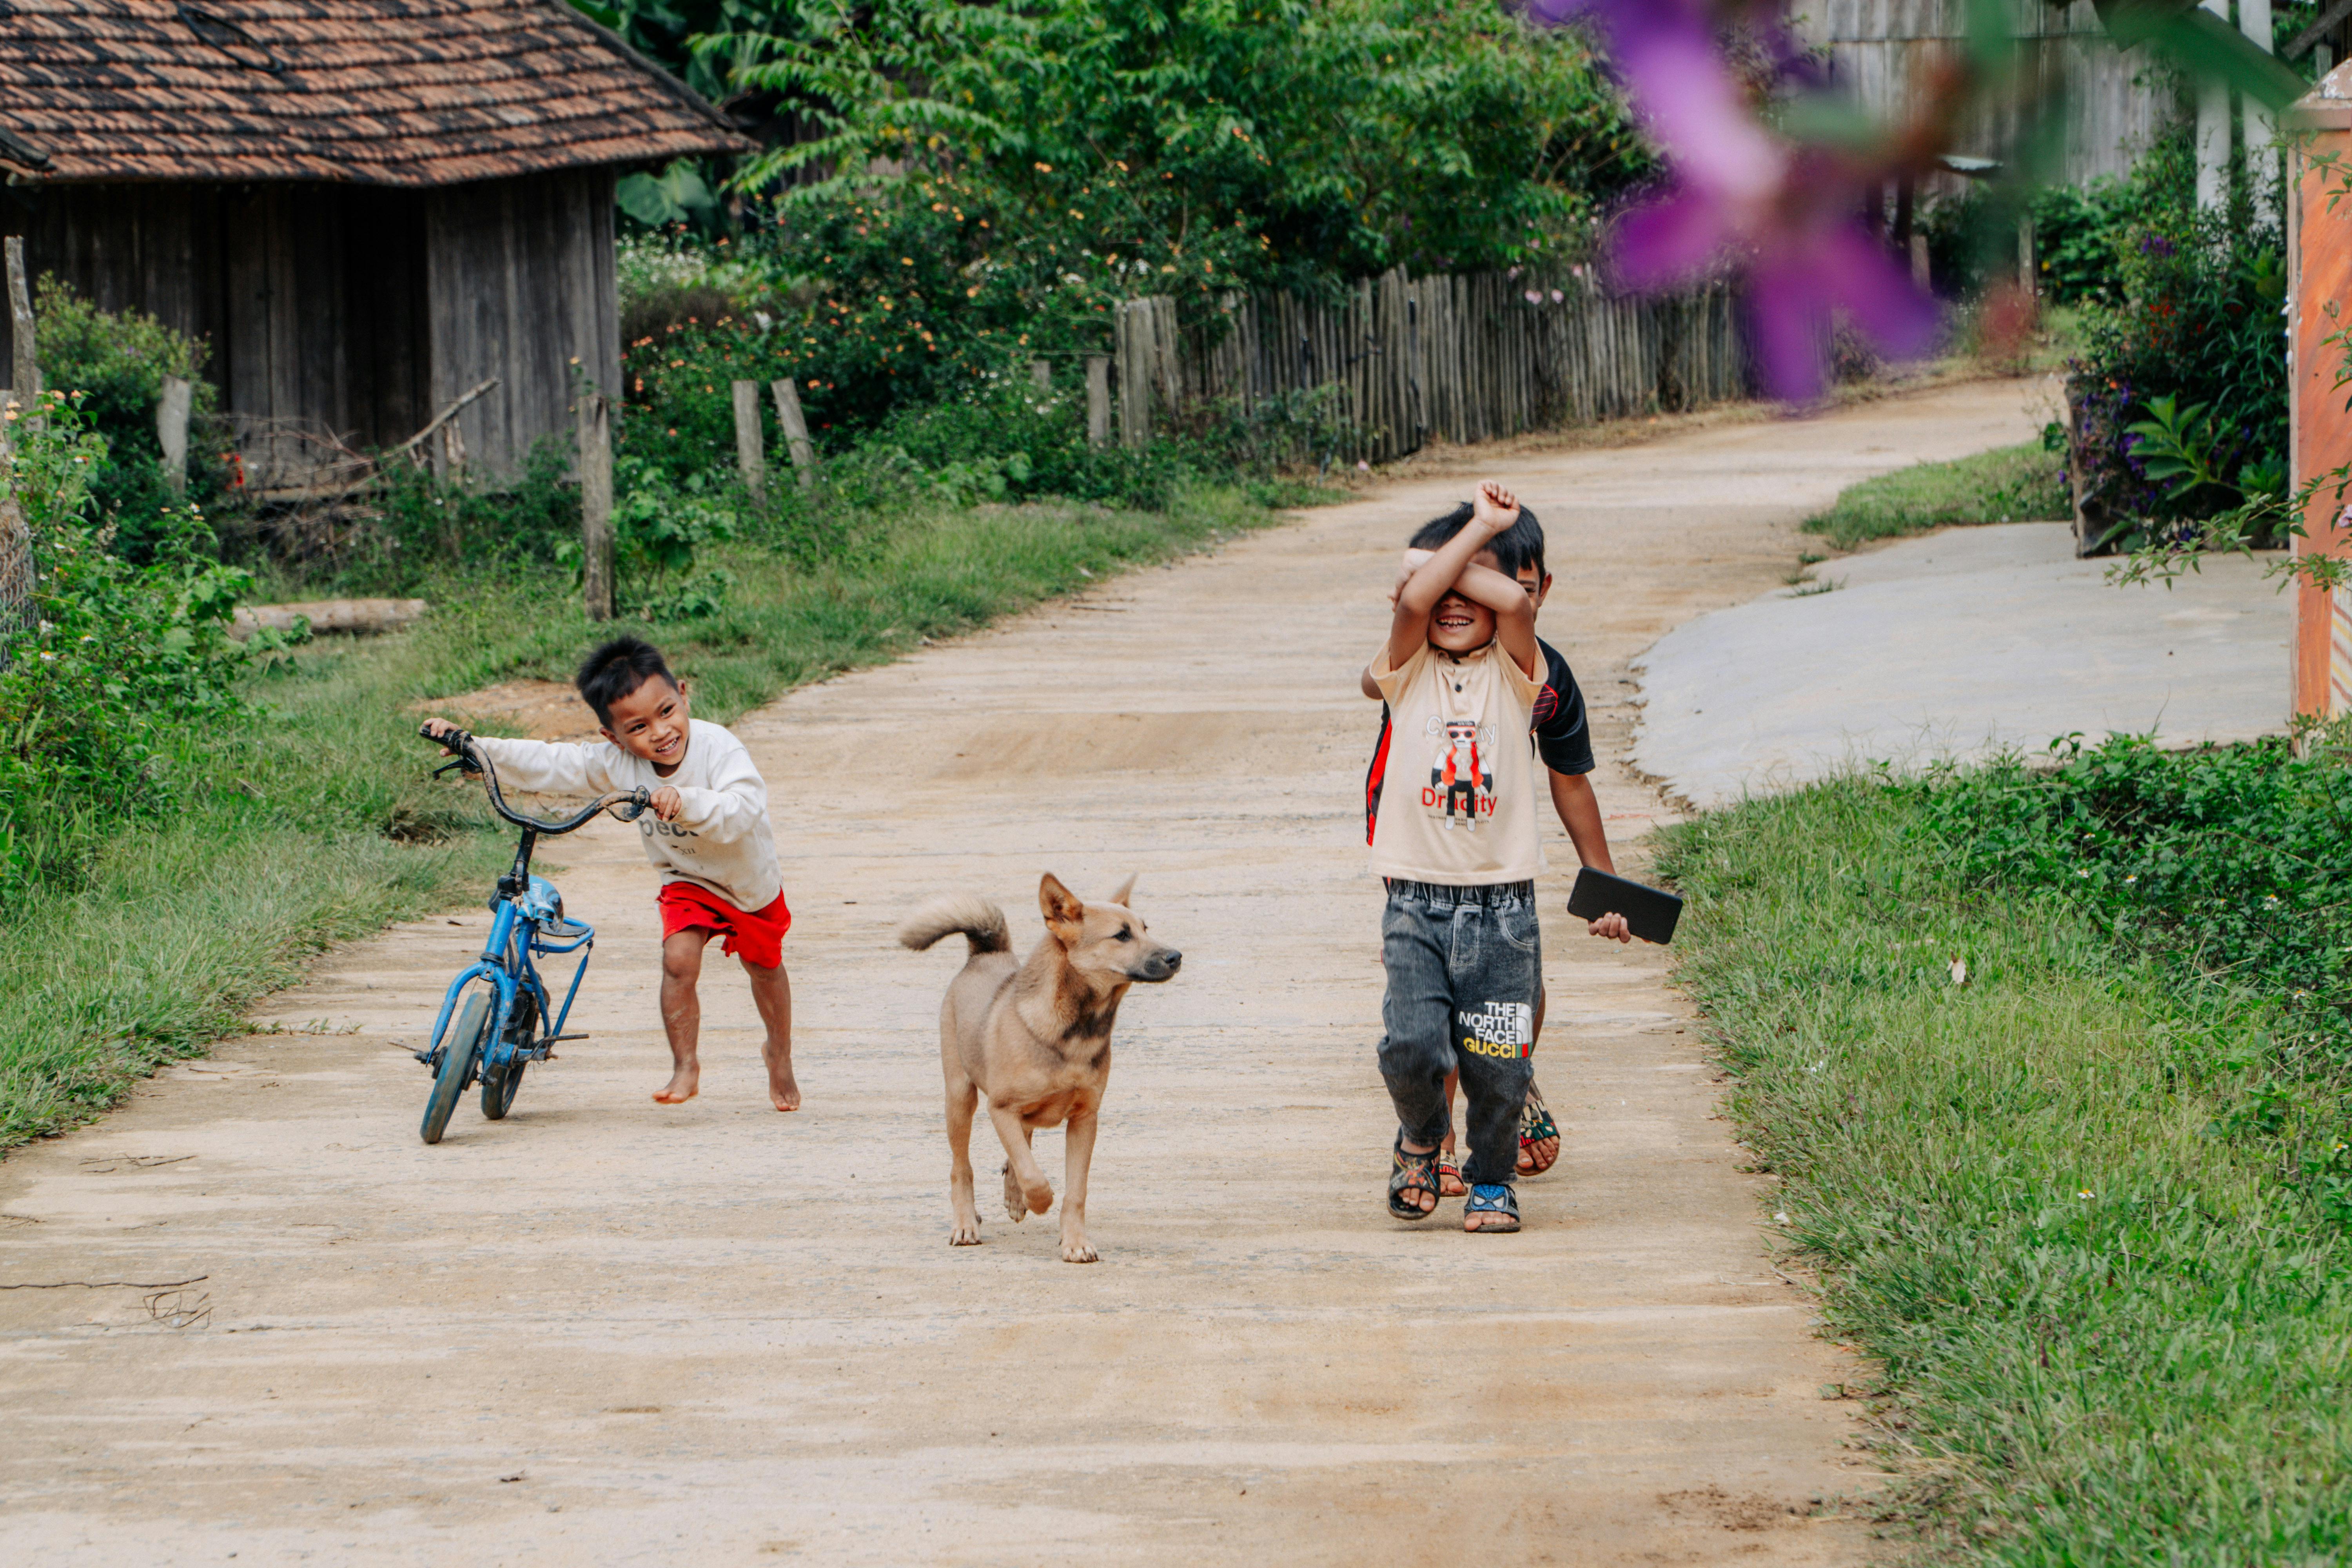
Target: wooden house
x=368 y=207
x=2116 y=100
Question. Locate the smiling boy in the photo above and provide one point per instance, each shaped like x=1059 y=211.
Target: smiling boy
x=1458 y=855
x=707 y=832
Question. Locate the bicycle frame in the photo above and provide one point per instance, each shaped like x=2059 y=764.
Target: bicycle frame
x=527 y=922
x=516 y=938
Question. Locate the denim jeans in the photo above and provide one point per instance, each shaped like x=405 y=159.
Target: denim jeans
x=1464 y=968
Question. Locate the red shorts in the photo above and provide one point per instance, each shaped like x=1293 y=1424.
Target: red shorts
x=757 y=934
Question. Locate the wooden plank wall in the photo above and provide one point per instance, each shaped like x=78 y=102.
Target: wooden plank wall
x=521 y=284
x=2116 y=100
x=1461 y=358
x=310 y=297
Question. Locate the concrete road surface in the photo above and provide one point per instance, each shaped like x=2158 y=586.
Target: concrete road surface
x=1954 y=646
x=260 y=1320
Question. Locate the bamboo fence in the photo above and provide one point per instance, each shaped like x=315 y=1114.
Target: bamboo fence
x=1408 y=359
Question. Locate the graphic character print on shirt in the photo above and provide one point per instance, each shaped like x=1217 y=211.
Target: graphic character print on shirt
x=1461 y=787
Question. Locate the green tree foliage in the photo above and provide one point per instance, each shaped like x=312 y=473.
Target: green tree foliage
x=1236 y=141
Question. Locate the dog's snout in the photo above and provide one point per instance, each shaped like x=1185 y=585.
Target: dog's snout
x=1157 y=965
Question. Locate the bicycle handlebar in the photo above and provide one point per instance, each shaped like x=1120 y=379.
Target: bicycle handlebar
x=460 y=745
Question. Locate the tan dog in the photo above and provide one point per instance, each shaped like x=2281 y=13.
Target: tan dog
x=1034 y=1037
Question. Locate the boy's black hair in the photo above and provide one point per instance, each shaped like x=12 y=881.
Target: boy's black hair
x=615 y=669
x=1519 y=547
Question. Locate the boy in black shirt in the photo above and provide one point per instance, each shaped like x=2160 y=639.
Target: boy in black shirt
x=1564 y=743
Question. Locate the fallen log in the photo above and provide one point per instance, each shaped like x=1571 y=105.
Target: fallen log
x=352 y=618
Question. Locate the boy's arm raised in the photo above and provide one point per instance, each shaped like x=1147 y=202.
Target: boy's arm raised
x=1409 y=627
x=1515 y=613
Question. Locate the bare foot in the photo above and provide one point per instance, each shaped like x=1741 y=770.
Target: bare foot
x=782 y=1088
x=683 y=1084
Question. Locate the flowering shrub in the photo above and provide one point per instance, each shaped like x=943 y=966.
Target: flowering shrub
x=2197 y=329
x=114 y=665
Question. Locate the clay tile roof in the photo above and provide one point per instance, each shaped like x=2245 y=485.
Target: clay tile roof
x=398 y=92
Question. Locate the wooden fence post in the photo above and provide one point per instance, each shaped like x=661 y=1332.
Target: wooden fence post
x=1042 y=373
x=1131 y=323
x=1098 y=400
x=27 y=364
x=751 y=458
x=787 y=395
x=594 y=413
x=172 y=431
x=15 y=541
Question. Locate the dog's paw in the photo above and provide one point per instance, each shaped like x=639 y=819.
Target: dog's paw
x=964 y=1234
x=1017 y=1207
x=1077 y=1252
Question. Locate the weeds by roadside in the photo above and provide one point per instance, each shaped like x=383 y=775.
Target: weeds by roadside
x=2111 y=1306
x=2024 y=483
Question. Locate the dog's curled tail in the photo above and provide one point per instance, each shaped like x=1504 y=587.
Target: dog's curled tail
x=981 y=922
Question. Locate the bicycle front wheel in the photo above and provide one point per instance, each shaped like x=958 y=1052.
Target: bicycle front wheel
x=461 y=1051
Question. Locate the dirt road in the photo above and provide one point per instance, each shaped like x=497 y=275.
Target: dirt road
x=608 y=1331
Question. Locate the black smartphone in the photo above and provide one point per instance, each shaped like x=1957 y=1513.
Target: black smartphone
x=1650 y=913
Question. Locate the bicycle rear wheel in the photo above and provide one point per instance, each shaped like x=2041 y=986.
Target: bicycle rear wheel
x=461 y=1050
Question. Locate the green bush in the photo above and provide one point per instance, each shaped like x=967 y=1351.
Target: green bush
x=117 y=362
x=116 y=669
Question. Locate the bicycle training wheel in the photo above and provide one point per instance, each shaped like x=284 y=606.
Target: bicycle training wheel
x=498 y=1089
x=461 y=1049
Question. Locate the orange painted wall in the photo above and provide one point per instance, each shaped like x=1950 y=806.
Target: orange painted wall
x=2322 y=427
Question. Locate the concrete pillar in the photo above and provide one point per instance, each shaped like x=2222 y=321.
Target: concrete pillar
x=2260 y=133
x=2213 y=133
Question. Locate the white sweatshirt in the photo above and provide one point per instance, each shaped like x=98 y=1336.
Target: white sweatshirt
x=721 y=838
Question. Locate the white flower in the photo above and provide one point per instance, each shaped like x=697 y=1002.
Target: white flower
x=1781 y=1218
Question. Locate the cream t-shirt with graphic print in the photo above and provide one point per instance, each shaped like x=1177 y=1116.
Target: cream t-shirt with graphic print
x=1457 y=800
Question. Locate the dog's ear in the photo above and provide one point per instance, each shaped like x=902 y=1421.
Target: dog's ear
x=1126 y=888
x=1064 y=914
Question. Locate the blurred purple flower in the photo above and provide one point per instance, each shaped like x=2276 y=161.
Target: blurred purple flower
x=1739 y=192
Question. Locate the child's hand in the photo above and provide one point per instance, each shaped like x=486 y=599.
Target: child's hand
x=666 y=804
x=1413 y=562
x=1612 y=926
x=1493 y=507
x=439 y=729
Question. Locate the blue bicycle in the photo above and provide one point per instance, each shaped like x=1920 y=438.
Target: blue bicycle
x=498 y=1000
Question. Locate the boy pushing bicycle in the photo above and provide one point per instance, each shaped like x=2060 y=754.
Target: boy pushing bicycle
x=707 y=832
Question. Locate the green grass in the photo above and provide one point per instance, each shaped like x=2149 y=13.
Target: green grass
x=2107 y=1326
x=2008 y=484
x=316 y=822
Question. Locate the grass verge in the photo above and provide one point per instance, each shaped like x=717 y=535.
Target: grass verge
x=2108 y=1327
x=2008 y=484
x=314 y=823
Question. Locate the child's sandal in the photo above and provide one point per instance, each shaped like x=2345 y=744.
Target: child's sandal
x=1491 y=1200
x=1536 y=1126
x=1449 y=1174
x=1413 y=1174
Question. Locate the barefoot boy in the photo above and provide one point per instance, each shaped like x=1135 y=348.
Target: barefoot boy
x=707 y=833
